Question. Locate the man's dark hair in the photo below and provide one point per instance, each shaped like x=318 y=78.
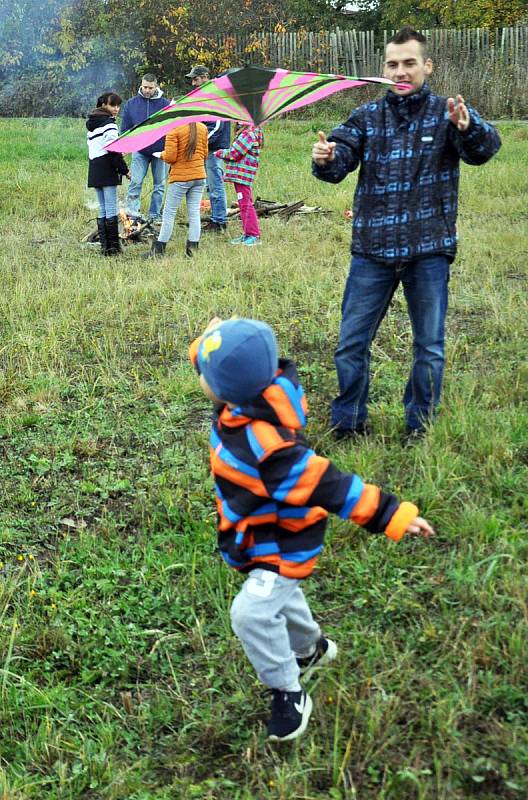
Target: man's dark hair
x=406 y=34
x=150 y=77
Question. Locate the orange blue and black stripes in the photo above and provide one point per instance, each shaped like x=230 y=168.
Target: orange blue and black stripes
x=274 y=493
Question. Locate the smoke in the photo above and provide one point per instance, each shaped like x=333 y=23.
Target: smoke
x=90 y=202
x=42 y=76
x=25 y=26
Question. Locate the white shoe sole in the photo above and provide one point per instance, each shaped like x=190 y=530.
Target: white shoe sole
x=329 y=656
x=302 y=727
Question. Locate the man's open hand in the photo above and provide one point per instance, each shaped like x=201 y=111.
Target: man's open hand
x=458 y=113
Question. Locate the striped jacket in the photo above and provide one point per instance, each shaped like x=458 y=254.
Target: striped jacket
x=406 y=199
x=243 y=157
x=274 y=494
x=104 y=168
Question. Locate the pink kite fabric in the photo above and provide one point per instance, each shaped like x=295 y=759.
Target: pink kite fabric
x=253 y=95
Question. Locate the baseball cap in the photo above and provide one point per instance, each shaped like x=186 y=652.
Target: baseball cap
x=198 y=71
x=238 y=359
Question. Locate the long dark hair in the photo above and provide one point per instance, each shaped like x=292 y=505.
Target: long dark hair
x=109 y=98
x=191 y=144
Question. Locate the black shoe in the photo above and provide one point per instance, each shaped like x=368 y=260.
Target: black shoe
x=290 y=712
x=325 y=652
x=413 y=436
x=156 y=251
x=214 y=227
x=112 y=237
x=363 y=429
x=190 y=247
x=101 y=230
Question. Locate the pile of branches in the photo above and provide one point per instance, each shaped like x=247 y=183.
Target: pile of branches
x=131 y=231
x=271 y=208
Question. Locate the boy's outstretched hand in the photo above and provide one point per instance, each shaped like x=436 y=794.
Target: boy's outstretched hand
x=420 y=527
x=212 y=324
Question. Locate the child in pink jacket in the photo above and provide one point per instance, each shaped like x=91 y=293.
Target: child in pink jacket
x=242 y=161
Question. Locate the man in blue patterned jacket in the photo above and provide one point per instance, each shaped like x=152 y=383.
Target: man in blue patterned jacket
x=408 y=145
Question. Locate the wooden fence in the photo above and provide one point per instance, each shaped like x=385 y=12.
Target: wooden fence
x=353 y=52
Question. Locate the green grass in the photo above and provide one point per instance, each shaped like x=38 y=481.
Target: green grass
x=119 y=675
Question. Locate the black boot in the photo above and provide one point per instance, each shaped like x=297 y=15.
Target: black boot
x=190 y=247
x=156 y=251
x=101 y=230
x=112 y=237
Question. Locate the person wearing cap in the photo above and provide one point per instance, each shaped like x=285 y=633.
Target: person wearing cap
x=147 y=101
x=219 y=137
x=273 y=497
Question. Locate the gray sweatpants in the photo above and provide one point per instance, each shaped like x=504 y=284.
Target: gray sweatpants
x=272 y=619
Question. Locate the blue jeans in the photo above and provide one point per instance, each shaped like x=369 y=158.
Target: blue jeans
x=107 y=199
x=176 y=191
x=368 y=292
x=215 y=184
x=138 y=169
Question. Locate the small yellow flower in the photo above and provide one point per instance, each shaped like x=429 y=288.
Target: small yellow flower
x=329 y=699
x=53 y=606
x=31 y=557
x=20 y=558
x=33 y=593
x=271 y=783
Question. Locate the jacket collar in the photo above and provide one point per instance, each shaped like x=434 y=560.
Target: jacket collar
x=159 y=93
x=100 y=112
x=407 y=106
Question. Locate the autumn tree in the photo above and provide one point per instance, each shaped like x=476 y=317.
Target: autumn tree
x=445 y=13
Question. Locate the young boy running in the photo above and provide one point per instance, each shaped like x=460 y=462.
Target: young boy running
x=273 y=496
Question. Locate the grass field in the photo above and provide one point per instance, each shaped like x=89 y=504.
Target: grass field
x=119 y=675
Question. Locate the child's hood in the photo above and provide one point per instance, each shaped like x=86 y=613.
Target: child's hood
x=282 y=404
x=98 y=117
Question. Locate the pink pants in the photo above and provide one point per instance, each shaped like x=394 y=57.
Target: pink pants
x=248 y=215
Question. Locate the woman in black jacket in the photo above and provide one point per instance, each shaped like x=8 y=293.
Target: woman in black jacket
x=105 y=170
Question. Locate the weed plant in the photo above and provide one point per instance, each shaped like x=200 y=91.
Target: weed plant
x=119 y=675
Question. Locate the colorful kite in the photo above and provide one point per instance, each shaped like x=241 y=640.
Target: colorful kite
x=250 y=94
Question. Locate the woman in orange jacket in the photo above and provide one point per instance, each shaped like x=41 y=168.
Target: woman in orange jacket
x=185 y=150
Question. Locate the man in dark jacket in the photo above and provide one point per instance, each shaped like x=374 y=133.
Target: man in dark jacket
x=408 y=146
x=219 y=138
x=148 y=100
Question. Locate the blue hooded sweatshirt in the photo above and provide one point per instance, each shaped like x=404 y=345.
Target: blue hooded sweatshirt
x=137 y=110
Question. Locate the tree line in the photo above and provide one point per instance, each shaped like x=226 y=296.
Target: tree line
x=57 y=55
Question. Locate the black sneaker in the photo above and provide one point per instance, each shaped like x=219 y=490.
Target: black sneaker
x=412 y=436
x=361 y=430
x=325 y=652
x=290 y=712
